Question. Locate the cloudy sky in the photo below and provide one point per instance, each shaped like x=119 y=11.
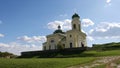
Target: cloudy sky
x=25 y=23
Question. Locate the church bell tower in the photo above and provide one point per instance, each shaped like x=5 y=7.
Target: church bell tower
x=76 y=24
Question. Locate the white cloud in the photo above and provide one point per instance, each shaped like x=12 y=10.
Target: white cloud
x=65 y=24
x=105 y=26
x=90 y=38
x=54 y=25
x=3 y=45
x=108 y=3
x=87 y=22
x=33 y=39
x=91 y=30
x=24 y=43
x=17 y=48
x=106 y=30
x=2 y=35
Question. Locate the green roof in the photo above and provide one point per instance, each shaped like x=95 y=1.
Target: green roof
x=75 y=15
x=58 y=31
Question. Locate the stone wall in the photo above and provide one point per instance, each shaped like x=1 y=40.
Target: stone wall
x=52 y=53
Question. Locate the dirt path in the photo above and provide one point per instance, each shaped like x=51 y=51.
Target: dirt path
x=108 y=61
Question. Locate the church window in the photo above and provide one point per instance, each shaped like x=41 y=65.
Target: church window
x=70 y=36
x=74 y=26
x=64 y=45
x=82 y=44
x=70 y=45
x=52 y=41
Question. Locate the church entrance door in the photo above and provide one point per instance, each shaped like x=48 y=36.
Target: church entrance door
x=82 y=44
x=70 y=45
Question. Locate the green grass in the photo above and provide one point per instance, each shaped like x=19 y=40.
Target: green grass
x=100 y=53
x=43 y=62
x=85 y=57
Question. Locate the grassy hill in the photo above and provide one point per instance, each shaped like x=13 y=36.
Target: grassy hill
x=85 y=57
x=107 y=46
x=43 y=63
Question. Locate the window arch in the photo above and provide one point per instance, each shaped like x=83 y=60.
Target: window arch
x=64 y=45
x=70 y=45
x=70 y=36
x=74 y=26
x=82 y=45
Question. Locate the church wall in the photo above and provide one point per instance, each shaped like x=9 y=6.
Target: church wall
x=52 y=41
x=71 y=38
x=63 y=43
x=82 y=41
x=77 y=39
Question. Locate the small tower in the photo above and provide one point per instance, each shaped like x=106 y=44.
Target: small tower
x=59 y=27
x=76 y=24
x=58 y=30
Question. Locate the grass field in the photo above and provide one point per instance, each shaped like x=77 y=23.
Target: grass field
x=43 y=62
x=97 y=53
x=100 y=53
x=85 y=57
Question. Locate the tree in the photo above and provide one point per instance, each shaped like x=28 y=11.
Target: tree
x=60 y=46
x=6 y=54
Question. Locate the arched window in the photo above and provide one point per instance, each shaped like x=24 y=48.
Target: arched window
x=52 y=41
x=64 y=45
x=70 y=36
x=70 y=45
x=82 y=45
x=74 y=26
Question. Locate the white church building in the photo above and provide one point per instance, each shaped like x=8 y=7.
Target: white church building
x=73 y=38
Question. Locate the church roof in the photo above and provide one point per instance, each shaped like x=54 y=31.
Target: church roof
x=58 y=31
x=75 y=15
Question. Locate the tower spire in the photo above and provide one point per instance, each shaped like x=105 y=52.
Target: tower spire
x=59 y=27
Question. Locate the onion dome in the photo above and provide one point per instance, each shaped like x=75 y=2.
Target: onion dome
x=75 y=15
x=58 y=30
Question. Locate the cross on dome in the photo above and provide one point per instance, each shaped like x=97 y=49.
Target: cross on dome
x=75 y=15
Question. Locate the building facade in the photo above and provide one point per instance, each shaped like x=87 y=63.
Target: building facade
x=73 y=38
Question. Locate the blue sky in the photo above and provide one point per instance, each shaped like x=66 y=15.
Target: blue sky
x=25 y=23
